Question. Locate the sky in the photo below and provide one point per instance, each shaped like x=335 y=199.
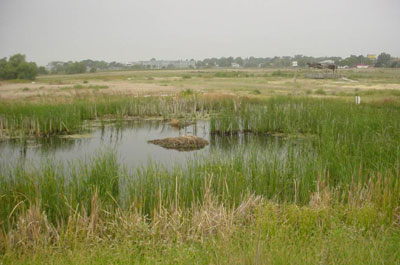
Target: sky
x=131 y=30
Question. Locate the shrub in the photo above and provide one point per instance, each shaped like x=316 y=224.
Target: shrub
x=76 y=68
x=17 y=67
x=187 y=92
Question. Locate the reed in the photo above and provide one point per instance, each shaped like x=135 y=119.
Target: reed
x=46 y=119
x=56 y=216
x=286 y=174
x=341 y=159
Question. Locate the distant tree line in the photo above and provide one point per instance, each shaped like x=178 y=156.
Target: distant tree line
x=77 y=67
x=16 y=67
x=383 y=60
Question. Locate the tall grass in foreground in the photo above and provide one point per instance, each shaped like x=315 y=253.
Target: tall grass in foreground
x=340 y=179
x=192 y=217
x=292 y=174
x=254 y=232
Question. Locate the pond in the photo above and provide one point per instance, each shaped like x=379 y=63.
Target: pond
x=129 y=139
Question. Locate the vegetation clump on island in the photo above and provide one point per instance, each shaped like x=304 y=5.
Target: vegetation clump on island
x=181 y=143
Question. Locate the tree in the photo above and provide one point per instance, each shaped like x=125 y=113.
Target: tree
x=16 y=60
x=239 y=61
x=383 y=60
x=75 y=68
x=6 y=70
x=42 y=70
x=17 y=67
x=27 y=71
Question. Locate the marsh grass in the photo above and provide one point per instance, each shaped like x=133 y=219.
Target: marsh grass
x=286 y=174
x=166 y=213
x=335 y=185
x=46 y=119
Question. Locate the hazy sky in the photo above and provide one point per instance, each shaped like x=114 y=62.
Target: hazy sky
x=122 y=30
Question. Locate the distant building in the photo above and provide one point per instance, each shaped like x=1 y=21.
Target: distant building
x=162 y=64
x=362 y=66
x=295 y=64
x=235 y=65
x=327 y=62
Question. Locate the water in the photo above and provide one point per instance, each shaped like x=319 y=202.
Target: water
x=128 y=139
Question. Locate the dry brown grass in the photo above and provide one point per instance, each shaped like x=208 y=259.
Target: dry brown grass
x=181 y=143
x=179 y=123
x=33 y=230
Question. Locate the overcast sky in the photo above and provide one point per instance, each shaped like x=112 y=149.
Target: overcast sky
x=122 y=30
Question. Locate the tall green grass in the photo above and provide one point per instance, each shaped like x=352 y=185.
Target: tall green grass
x=337 y=156
x=348 y=149
x=291 y=172
x=46 y=119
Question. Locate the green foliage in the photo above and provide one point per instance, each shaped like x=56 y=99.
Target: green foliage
x=383 y=60
x=353 y=60
x=187 y=92
x=75 y=68
x=27 y=71
x=42 y=71
x=16 y=60
x=17 y=68
x=330 y=194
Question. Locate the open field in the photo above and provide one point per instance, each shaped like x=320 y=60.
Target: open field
x=373 y=84
x=328 y=192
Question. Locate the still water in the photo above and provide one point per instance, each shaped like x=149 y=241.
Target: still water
x=128 y=139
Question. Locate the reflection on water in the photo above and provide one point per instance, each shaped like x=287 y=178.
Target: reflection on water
x=128 y=139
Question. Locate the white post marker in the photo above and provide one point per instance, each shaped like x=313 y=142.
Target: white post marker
x=358 y=100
